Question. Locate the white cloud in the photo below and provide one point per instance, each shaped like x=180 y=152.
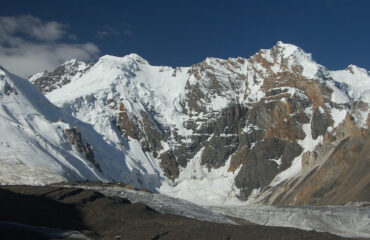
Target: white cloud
x=28 y=59
x=31 y=26
x=28 y=45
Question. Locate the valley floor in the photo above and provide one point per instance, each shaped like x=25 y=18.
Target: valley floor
x=96 y=216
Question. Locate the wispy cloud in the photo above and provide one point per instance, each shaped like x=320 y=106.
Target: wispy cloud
x=108 y=30
x=29 y=45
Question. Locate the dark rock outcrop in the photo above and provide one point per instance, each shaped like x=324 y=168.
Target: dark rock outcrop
x=75 y=138
x=62 y=75
x=7 y=89
x=263 y=162
x=320 y=123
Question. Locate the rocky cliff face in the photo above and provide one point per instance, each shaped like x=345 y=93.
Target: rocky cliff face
x=336 y=172
x=49 y=81
x=276 y=127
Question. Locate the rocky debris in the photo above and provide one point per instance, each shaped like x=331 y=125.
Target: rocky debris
x=339 y=220
x=87 y=184
x=108 y=217
x=75 y=138
x=162 y=203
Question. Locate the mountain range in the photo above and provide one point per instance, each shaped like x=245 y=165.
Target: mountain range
x=276 y=128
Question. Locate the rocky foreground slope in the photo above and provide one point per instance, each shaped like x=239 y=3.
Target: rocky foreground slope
x=52 y=212
x=276 y=128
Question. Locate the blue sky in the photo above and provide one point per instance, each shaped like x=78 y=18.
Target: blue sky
x=181 y=33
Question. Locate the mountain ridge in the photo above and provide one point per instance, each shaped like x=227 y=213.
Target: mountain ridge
x=203 y=130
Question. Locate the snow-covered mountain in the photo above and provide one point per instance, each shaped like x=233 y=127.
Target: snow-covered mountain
x=41 y=144
x=276 y=127
x=33 y=147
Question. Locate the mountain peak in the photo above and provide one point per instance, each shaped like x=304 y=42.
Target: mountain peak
x=285 y=49
x=70 y=61
x=136 y=57
x=285 y=57
x=357 y=70
x=133 y=57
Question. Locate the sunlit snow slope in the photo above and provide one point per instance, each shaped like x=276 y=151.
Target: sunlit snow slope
x=33 y=147
x=36 y=150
